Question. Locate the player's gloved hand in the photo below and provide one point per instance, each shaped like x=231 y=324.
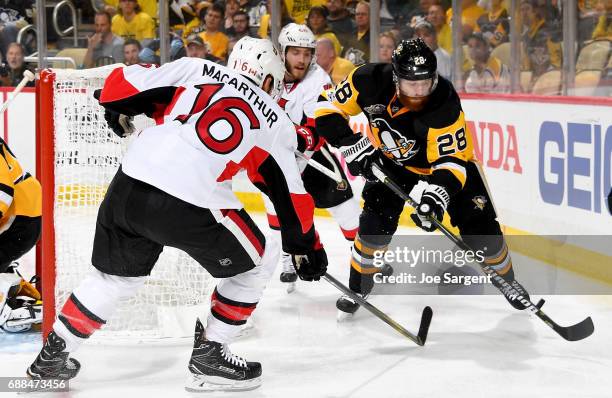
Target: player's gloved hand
x=307 y=139
x=310 y=266
x=359 y=155
x=120 y=124
x=434 y=202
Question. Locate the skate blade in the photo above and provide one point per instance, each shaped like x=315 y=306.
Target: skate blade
x=344 y=316
x=290 y=287
x=202 y=383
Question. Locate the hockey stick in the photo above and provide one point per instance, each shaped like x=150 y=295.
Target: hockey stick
x=27 y=77
x=426 y=316
x=318 y=166
x=575 y=332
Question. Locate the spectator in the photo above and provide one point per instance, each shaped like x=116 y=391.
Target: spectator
x=494 y=25
x=131 y=23
x=386 y=45
x=437 y=18
x=212 y=33
x=241 y=26
x=488 y=75
x=298 y=9
x=264 y=24
x=542 y=53
x=103 y=43
x=198 y=48
x=603 y=29
x=196 y=25
x=587 y=19
x=358 y=49
x=317 y=22
x=131 y=49
x=340 y=21
x=147 y=6
x=337 y=68
x=230 y=45
x=14 y=15
x=427 y=32
x=231 y=8
x=422 y=10
x=470 y=12
x=11 y=73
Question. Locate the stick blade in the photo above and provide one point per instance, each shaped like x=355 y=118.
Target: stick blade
x=424 y=327
x=576 y=332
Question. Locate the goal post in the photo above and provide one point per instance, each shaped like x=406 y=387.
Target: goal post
x=77 y=157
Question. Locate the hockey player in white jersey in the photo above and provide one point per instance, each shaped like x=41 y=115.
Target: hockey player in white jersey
x=303 y=83
x=174 y=189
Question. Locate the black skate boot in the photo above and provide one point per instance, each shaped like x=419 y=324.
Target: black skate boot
x=288 y=274
x=347 y=306
x=52 y=362
x=507 y=291
x=214 y=368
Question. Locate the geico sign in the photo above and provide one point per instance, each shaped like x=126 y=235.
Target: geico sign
x=574 y=164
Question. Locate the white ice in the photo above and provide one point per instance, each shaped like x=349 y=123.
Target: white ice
x=478 y=346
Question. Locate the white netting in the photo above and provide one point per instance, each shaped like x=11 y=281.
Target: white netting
x=87 y=155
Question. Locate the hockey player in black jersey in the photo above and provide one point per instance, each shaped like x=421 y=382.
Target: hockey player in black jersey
x=418 y=133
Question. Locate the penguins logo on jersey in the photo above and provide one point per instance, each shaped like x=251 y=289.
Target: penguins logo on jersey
x=480 y=202
x=392 y=142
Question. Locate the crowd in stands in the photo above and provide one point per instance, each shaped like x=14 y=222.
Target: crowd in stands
x=127 y=31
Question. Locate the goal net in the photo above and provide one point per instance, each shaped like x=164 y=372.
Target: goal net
x=77 y=158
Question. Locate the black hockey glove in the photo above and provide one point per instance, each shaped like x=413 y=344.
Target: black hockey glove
x=434 y=201
x=119 y=123
x=310 y=266
x=359 y=155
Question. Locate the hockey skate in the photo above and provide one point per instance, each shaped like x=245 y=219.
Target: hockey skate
x=509 y=293
x=347 y=307
x=214 y=368
x=52 y=362
x=288 y=274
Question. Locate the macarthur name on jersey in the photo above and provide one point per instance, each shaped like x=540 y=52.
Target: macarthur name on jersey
x=433 y=141
x=214 y=72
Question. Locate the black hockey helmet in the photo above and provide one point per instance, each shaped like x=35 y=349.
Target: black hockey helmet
x=414 y=71
x=413 y=60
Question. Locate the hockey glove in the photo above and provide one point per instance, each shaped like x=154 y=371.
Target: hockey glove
x=307 y=139
x=119 y=123
x=310 y=266
x=434 y=202
x=359 y=155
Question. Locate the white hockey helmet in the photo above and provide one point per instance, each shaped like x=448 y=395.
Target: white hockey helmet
x=294 y=35
x=256 y=59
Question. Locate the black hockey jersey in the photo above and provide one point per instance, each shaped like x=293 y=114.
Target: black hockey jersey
x=433 y=141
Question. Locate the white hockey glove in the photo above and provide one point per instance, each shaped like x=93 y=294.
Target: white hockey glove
x=359 y=155
x=434 y=202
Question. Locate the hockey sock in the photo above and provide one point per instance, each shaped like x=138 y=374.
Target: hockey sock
x=235 y=298
x=346 y=215
x=91 y=304
x=226 y=318
x=501 y=262
x=362 y=265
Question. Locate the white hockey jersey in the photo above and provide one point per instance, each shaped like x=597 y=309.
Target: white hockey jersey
x=300 y=99
x=211 y=123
